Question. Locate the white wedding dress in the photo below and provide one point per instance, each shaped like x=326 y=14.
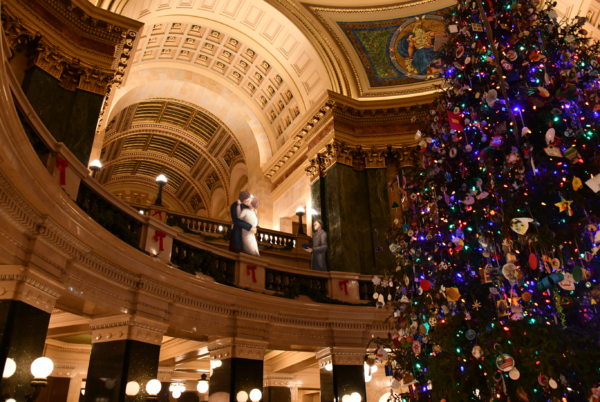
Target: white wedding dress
x=249 y=243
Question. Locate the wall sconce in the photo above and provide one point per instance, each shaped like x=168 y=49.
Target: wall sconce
x=161 y=180
x=203 y=384
x=153 y=388
x=300 y=213
x=95 y=167
x=41 y=368
x=132 y=388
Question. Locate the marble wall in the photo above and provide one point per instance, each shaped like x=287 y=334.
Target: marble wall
x=70 y=116
x=354 y=208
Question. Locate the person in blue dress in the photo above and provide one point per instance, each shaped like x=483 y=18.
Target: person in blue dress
x=417 y=50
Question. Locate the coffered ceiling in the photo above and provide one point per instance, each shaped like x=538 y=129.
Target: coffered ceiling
x=188 y=145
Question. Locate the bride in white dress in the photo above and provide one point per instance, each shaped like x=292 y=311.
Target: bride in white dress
x=249 y=243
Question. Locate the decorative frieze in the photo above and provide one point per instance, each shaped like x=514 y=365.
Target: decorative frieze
x=228 y=348
x=123 y=327
x=18 y=283
x=358 y=158
x=339 y=356
x=278 y=380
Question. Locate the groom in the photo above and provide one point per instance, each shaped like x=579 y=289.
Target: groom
x=235 y=243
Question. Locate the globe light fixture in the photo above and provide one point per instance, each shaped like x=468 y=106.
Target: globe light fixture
x=346 y=398
x=300 y=213
x=255 y=395
x=329 y=366
x=132 y=388
x=202 y=384
x=355 y=397
x=41 y=368
x=176 y=394
x=153 y=388
x=9 y=368
x=95 y=167
x=161 y=180
x=216 y=363
x=242 y=396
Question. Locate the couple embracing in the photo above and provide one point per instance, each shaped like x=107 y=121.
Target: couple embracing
x=244 y=215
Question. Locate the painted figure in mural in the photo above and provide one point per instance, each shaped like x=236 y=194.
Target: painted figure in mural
x=318 y=260
x=249 y=215
x=235 y=243
x=417 y=49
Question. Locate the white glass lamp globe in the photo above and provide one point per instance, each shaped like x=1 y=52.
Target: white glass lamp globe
x=96 y=164
x=255 y=395
x=9 y=368
x=132 y=388
x=355 y=397
x=202 y=386
x=346 y=398
x=42 y=367
x=10 y=400
x=329 y=367
x=216 y=363
x=161 y=178
x=176 y=394
x=153 y=387
x=171 y=387
x=242 y=396
x=83 y=392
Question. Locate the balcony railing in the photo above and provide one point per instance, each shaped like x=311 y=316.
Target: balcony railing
x=284 y=267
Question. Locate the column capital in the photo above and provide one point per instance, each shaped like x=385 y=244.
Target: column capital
x=127 y=327
x=340 y=356
x=22 y=284
x=278 y=380
x=227 y=348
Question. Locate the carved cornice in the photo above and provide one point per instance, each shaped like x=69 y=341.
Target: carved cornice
x=228 y=348
x=124 y=327
x=341 y=356
x=374 y=158
x=16 y=283
x=278 y=380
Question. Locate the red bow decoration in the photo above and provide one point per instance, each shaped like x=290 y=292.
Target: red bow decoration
x=253 y=269
x=61 y=165
x=159 y=213
x=344 y=285
x=159 y=236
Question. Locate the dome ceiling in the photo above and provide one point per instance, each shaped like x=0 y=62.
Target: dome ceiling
x=186 y=144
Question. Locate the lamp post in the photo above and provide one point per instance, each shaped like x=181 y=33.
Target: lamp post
x=203 y=384
x=300 y=212
x=161 y=180
x=153 y=388
x=41 y=368
x=95 y=167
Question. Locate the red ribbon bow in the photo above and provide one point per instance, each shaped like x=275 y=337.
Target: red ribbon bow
x=344 y=285
x=61 y=165
x=159 y=236
x=159 y=213
x=253 y=269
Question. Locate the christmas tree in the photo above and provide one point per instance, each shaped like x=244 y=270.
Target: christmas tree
x=495 y=292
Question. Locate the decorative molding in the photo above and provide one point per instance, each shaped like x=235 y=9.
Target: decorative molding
x=17 y=283
x=339 y=356
x=228 y=348
x=122 y=327
x=278 y=380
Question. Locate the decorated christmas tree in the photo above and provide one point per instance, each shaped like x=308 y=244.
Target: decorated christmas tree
x=495 y=292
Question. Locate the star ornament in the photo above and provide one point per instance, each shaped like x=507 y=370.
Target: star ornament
x=564 y=206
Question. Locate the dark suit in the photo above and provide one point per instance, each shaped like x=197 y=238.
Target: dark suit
x=318 y=261
x=235 y=242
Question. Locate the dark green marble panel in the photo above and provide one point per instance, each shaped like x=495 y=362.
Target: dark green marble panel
x=277 y=394
x=114 y=364
x=70 y=116
x=346 y=201
x=23 y=331
x=380 y=217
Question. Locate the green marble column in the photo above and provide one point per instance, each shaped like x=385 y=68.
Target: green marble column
x=70 y=116
x=354 y=208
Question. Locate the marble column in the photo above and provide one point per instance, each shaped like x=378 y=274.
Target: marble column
x=342 y=373
x=277 y=387
x=355 y=211
x=125 y=348
x=240 y=368
x=26 y=302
